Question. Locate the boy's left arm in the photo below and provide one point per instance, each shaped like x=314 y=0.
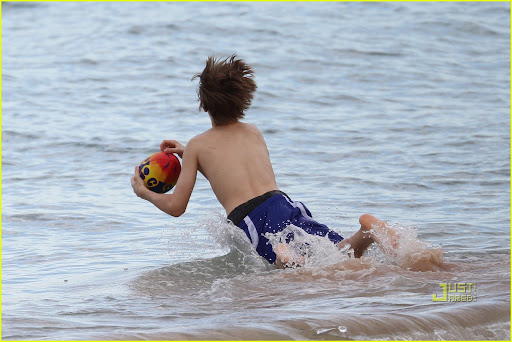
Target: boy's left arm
x=176 y=203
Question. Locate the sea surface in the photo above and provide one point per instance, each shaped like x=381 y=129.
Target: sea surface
x=400 y=110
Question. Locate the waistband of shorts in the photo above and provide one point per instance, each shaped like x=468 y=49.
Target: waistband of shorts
x=239 y=213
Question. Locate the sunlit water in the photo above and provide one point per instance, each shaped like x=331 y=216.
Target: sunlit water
x=400 y=110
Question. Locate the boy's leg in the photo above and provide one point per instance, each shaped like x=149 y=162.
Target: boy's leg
x=282 y=255
x=365 y=236
x=359 y=242
x=285 y=257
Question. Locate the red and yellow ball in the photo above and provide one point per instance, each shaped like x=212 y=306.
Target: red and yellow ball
x=160 y=172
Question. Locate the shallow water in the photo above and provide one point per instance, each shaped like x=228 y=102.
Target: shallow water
x=396 y=109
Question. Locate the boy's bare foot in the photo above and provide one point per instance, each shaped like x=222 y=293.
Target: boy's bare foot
x=380 y=232
x=372 y=230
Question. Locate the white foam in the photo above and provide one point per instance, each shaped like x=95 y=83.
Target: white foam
x=232 y=238
x=316 y=252
x=406 y=250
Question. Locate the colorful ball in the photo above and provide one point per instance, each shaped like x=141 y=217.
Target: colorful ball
x=160 y=172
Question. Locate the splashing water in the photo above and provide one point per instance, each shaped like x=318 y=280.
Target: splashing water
x=399 y=245
x=402 y=247
x=232 y=238
x=306 y=250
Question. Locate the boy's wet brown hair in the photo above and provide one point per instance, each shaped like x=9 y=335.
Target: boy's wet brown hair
x=225 y=89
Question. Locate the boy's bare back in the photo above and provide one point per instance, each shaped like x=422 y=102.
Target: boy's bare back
x=235 y=160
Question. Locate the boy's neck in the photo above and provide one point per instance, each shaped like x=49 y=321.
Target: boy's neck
x=215 y=125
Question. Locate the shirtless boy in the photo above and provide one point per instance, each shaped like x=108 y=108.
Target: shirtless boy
x=233 y=156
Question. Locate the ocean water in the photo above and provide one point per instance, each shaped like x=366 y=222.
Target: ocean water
x=401 y=110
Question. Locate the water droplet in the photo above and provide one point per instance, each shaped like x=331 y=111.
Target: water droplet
x=323 y=331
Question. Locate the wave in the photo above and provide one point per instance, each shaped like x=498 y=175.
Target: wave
x=323 y=258
x=21 y=5
x=478 y=322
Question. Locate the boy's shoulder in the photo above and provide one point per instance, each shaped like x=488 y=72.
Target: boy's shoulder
x=201 y=137
x=248 y=127
x=200 y=140
x=252 y=127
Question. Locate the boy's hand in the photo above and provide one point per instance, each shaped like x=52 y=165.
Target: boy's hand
x=172 y=146
x=139 y=188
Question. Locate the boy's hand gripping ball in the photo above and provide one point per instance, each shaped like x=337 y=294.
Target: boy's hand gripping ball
x=160 y=172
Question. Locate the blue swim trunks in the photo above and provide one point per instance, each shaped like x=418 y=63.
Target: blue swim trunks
x=271 y=213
